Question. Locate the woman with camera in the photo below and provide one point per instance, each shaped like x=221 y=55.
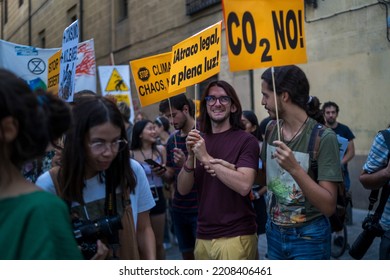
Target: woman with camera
x=29 y=121
x=101 y=184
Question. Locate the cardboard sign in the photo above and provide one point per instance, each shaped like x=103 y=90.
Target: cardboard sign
x=70 y=41
x=115 y=81
x=85 y=70
x=27 y=62
x=151 y=77
x=86 y=67
x=53 y=72
x=263 y=33
x=196 y=58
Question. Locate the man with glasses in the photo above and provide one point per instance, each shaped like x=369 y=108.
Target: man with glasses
x=184 y=207
x=222 y=163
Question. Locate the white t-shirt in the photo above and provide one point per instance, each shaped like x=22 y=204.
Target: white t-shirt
x=141 y=200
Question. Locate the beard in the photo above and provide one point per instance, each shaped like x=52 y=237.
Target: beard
x=330 y=121
x=272 y=112
x=220 y=119
x=180 y=125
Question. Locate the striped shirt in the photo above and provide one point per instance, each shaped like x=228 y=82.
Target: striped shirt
x=377 y=159
x=181 y=203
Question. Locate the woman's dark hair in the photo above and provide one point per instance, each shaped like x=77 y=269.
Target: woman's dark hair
x=292 y=79
x=162 y=122
x=41 y=118
x=125 y=111
x=136 y=142
x=313 y=109
x=91 y=112
x=235 y=118
x=78 y=96
x=252 y=118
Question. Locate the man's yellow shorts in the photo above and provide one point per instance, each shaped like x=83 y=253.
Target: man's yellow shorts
x=227 y=248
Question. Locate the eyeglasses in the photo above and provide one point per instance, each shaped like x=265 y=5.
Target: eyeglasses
x=101 y=147
x=211 y=100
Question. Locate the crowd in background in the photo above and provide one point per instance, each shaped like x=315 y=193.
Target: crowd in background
x=131 y=189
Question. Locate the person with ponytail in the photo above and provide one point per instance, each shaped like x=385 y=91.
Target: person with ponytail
x=33 y=224
x=299 y=202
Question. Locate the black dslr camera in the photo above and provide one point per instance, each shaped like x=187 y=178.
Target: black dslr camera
x=87 y=232
x=371 y=229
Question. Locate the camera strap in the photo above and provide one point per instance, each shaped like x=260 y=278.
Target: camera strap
x=382 y=202
x=110 y=209
x=110 y=200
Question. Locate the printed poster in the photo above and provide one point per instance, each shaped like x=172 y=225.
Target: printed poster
x=28 y=63
x=196 y=58
x=115 y=80
x=151 y=78
x=70 y=41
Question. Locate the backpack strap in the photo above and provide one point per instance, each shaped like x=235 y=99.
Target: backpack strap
x=314 y=146
x=270 y=127
x=386 y=135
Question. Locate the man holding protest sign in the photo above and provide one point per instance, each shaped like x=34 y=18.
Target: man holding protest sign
x=226 y=164
x=184 y=207
x=299 y=201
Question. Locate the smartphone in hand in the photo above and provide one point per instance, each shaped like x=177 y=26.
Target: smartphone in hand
x=154 y=164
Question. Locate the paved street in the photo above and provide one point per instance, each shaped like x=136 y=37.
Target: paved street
x=354 y=230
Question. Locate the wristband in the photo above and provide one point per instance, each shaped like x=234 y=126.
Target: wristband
x=187 y=169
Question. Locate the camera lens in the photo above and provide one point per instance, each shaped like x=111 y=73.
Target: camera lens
x=361 y=244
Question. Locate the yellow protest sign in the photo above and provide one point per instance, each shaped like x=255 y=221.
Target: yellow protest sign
x=196 y=58
x=53 y=73
x=122 y=98
x=263 y=33
x=151 y=77
x=116 y=82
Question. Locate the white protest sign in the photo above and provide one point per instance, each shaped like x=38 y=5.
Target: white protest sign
x=115 y=81
x=70 y=41
x=29 y=63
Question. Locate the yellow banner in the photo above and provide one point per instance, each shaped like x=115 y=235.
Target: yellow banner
x=53 y=73
x=196 y=58
x=151 y=77
x=263 y=33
